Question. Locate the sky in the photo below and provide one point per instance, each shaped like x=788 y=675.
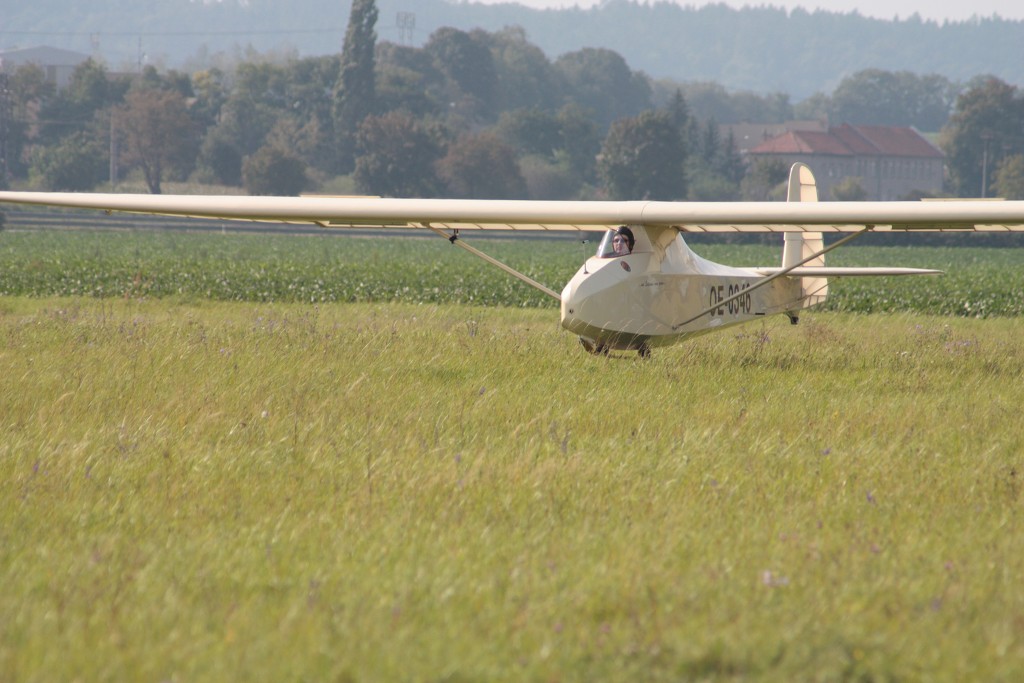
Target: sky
x=954 y=10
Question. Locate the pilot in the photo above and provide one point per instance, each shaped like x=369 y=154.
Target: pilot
x=623 y=241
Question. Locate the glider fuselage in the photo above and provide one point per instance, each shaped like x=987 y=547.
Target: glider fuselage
x=654 y=296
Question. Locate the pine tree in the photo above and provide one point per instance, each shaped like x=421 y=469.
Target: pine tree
x=679 y=110
x=710 y=143
x=354 y=94
x=684 y=120
x=730 y=162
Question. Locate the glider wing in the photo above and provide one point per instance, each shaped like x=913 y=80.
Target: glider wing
x=372 y=212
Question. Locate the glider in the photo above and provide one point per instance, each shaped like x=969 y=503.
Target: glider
x=644 y=287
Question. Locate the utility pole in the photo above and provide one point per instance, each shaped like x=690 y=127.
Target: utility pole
x=986 y=137
x=114 y=151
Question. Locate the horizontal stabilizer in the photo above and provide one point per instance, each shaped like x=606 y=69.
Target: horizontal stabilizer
x=848 y=272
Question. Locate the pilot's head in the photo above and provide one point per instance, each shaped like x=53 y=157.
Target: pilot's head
x=623 y=233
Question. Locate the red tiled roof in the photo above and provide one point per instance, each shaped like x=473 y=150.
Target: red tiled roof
x=847 y=140
x=855 y=141
x=802 y=142
x=901 y=142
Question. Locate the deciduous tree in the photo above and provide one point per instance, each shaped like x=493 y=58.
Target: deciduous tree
x=466 y=61
x=157 y=134
x=547 y=179
x=245 y=120
x=849 y=190
x=893 y=98
x=397 y=155
x=407 y=78
x=987 y=126
x=707 y=100
x=481 y=166
x=76 y=164
x=560 y=148
x=581 y=142
x=526 y=78
x=765 y=181
x=643 y=158
x=274 y=171
x=531 y=131
x=210 y=94
x=1009 y=178
x=28 y=90
x=601 y=82
x=74 y=108
x=400 y=88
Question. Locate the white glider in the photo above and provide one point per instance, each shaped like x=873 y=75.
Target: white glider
x=644 y=287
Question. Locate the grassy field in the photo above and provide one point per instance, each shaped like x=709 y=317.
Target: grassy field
x=219 y=490
x=403 y=492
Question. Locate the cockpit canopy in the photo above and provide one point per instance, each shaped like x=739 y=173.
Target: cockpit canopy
x=616 y=242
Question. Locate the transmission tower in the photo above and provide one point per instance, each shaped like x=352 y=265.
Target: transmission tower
x=406 y=22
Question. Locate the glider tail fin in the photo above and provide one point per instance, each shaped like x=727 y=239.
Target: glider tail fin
x=800 y=245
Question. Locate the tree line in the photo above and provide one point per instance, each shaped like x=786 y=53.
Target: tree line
x=470 y=114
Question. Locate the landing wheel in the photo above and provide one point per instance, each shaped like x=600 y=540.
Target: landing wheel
x=593 y=347
x=644 y=351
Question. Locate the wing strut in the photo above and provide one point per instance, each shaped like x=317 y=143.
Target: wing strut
x=784 y=271
x=454 y=239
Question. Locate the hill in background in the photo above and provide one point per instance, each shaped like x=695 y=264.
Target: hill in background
x=760 y=49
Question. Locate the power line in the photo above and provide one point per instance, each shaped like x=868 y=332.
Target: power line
x=176 y=34
x=405 y=25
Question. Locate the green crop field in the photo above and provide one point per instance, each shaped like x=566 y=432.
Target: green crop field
x=318 y=269
x=268 y=458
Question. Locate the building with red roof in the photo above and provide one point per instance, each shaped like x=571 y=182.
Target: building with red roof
x=888 y=162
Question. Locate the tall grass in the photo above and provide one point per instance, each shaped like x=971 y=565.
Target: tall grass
x=196 y=490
